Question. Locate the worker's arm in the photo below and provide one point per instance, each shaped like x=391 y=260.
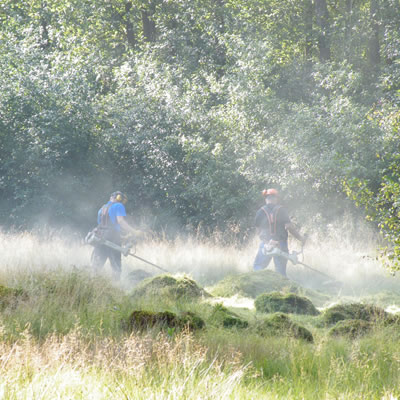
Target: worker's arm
x=127 y=228
x=290 y=227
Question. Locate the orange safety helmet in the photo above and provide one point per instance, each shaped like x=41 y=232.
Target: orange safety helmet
x=269 y=192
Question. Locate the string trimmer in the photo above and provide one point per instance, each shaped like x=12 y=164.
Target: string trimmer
x=125 y=250
x=293 y=257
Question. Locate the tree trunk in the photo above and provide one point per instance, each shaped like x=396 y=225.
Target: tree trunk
x=220 y=47
x=130 y=33
x=374 y=46
x=149 y=26
x=309 y=14
x=322 y=19
x=45 y=41
x=348 y=30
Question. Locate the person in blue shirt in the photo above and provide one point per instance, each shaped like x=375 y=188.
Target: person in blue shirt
x=111 y=224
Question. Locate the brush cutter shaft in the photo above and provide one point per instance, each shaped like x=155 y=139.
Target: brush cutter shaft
x=94 y=240
x=148 y=262
x=293 y=258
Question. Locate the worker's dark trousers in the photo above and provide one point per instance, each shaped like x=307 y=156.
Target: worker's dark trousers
x=262 y=261
x=102 y=253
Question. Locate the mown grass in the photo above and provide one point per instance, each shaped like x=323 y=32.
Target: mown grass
x=65 y=337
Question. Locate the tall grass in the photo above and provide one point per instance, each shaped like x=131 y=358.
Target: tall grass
x=344 y=252
x=75 y=367
x=65 y=336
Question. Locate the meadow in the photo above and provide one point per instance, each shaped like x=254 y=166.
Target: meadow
x=63 y=332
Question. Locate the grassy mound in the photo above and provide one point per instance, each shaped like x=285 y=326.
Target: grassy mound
x=280 y=324
x=169 y=287
x=351 y=328
x=252 y=284
x=221 y=316
x=142 y=320
x=286 y=303
x=364 y=312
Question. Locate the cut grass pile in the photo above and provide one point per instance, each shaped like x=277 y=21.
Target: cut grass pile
x=358 y=311
x=142 y=320
x=222 y=316
x=280 y=324
x=289 y=303
x=351 y=328
x=168 y=287
x=253 y=284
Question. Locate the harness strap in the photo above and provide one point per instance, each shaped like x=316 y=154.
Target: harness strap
x=105 y=221
x=272 y=218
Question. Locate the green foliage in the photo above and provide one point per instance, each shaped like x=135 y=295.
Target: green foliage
x=285 y=303
x=192 y=107
x=382 y=207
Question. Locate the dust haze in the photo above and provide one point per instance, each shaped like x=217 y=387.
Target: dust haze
x=346 y=256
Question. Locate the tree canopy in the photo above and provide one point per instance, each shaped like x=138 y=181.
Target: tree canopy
x=193 y=107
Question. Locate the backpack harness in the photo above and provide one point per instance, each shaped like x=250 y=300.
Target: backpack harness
x=272 y=218
x=105 y=221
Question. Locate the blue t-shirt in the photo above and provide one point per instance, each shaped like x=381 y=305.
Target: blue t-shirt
x=115 y=210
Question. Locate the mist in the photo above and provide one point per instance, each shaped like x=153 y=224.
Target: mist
x=337 y=252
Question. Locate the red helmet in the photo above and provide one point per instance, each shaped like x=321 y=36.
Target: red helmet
x=269 y=192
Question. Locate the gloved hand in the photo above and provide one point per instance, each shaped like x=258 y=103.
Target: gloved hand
x=268 y=247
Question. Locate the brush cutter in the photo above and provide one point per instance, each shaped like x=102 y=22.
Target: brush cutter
x=94 y=240
x=293 y=257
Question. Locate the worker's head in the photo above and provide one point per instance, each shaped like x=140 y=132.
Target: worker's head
x=270 y=196
x=119 y=197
